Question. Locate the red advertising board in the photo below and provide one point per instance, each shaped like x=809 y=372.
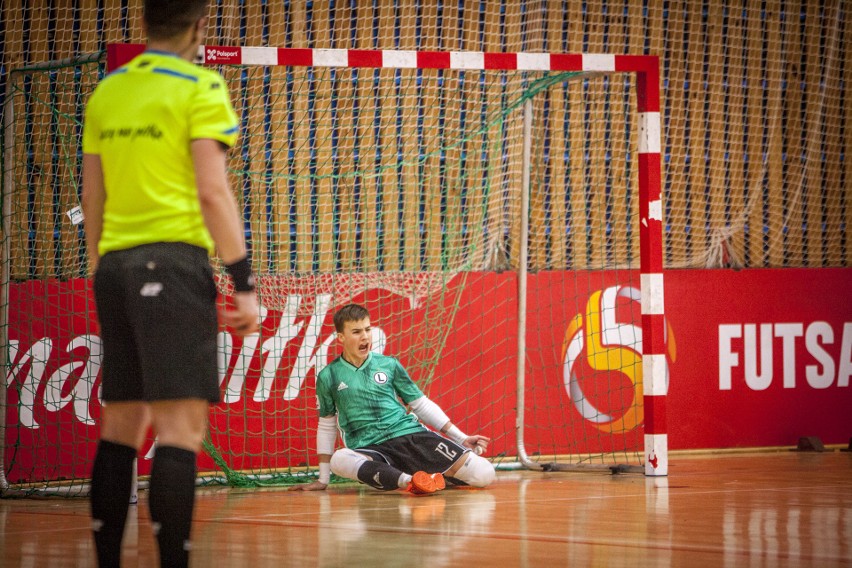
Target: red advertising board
x=764 y=357
x=756 y=358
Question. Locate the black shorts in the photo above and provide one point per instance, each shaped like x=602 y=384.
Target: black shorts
x=157 y=312
x=421 y=451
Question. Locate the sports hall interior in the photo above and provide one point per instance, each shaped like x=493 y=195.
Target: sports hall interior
x=755 y=151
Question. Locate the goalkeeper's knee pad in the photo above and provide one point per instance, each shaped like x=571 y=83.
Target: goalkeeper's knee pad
x=476 y=471
x=345 y=463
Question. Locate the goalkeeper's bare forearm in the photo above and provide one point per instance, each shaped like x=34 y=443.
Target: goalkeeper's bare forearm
x=326 y=439
x=318 y=485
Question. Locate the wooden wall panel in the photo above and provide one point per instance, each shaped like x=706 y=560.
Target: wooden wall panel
x=713 y=199
x=774 y=149
x=676 y=132
x=744 y=121
x=15 y=230
x=846 y=145
x=756 y=178
x=514 y=42
x=38 y=145
x=735 y=203
x=538 y=225
x=831 y=59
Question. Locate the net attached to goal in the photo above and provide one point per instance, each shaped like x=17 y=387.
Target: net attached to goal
x=395 y=187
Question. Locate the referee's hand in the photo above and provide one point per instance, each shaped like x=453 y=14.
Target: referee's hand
x=243 y=318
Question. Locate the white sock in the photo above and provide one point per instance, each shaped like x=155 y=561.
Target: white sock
x=404 y=480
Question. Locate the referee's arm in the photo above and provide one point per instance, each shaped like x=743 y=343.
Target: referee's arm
x=94 y=196
x=222 y=218
x=218 y=206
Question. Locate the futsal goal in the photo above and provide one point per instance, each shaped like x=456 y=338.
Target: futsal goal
x=499 y=214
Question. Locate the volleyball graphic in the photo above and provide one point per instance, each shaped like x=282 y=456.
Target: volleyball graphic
x=602 y=360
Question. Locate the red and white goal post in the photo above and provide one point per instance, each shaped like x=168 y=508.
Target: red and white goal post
x=486 y=207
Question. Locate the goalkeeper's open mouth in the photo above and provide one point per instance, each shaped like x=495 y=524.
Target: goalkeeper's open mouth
x=364 y=349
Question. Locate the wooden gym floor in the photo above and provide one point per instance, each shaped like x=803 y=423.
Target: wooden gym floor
x=769 y=509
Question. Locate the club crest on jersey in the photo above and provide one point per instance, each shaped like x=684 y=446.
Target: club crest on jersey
x=380 y=378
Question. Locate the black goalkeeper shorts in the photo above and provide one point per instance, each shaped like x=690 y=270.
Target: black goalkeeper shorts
x=421 y=451
x=157 y=312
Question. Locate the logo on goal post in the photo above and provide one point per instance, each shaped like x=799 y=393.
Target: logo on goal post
x=601 y=354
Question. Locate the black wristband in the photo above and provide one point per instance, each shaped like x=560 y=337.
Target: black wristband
x=240 y=271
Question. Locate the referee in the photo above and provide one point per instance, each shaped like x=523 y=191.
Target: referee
x=156 y=199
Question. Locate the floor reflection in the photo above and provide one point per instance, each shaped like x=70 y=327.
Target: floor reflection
x=776 y=509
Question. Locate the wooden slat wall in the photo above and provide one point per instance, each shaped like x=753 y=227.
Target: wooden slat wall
x=816 y=103
x=280 y=25
x=618 y=184
x=450 y=183
x=744 y=167
x=514 y=41
x=714 y=194
x=559 y=145
x=350 y=212
x=386 y=196
x=775 y=156
x=797 y=144
x=542 y=125
x=756 y=165
x=406 y=240
x=38 y=145
x=696 y=126
x=576 y=243
x=489 y=219
x=832 y=59
x=622 y=124
x=252 y=188
x=680 y=65
x=734 y=34
x=17 y=232
x=846 y=143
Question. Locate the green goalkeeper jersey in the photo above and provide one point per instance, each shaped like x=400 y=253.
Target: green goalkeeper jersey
x=367 y=399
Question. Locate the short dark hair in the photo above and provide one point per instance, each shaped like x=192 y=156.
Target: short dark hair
x=349 y=312
x=167 y=18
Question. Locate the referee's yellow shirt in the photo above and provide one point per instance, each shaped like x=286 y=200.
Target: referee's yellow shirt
x=141 y=120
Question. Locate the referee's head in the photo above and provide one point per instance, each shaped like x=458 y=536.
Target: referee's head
x=165 y=19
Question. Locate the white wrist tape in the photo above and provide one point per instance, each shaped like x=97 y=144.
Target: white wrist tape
x=324 y=472
x=429 y=413
x=326 y=434
x=456 y=435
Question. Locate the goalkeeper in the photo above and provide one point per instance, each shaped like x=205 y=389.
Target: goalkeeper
x=386 y=447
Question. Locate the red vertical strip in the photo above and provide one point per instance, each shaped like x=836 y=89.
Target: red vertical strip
x=653 y=334
x=650 y=230
x=655 y=414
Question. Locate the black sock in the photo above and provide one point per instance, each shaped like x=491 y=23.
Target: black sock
x=379 y=475
x=171 y=498
x=112 y=477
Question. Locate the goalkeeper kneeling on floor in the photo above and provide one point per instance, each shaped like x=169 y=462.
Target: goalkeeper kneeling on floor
x=386 y=446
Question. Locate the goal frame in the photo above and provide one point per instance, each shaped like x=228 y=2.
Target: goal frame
x=647 y=71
